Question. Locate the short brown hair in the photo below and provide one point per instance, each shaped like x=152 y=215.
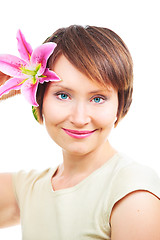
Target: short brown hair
x=101 y=55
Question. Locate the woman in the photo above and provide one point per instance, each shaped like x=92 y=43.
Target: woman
x=96 y=193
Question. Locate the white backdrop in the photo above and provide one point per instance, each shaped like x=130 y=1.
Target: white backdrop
x=24 y=144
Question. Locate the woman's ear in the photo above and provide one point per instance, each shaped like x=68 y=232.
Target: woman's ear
x=3 y=79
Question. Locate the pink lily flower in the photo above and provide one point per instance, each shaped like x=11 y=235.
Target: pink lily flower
x=29 y=71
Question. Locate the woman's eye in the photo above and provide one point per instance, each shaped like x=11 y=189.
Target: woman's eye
x=98 y=99
x=62 y=96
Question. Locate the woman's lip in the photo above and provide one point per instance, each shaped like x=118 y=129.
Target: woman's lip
x=78 y=134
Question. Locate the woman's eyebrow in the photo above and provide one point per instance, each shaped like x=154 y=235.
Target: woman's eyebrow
x=98 y=91
x=104 y=90
x=60 y=86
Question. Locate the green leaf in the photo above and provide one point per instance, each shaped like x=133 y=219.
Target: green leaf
x=35 y=113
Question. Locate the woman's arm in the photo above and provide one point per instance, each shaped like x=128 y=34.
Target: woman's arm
x=136 y=217
x=9 y=210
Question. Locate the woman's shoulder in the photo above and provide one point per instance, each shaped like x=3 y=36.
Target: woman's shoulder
x=23 y=180
x=134 y=201
x=130 y=175
x=133 y=213
x=31 y=175
x=127 y=167
x=129 y=178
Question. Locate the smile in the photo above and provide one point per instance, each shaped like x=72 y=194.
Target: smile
x=78 y=134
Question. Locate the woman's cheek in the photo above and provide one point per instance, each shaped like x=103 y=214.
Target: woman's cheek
x=54 y=114
x=105 y=117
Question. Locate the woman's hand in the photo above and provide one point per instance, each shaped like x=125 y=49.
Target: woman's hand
x=3 y=79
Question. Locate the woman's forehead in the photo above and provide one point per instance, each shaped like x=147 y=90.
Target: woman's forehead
x=72 y=78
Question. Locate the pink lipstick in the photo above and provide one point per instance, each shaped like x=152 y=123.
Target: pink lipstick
x=78 y=134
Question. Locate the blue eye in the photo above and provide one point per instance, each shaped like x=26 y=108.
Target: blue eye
x=63 y=96
x=97 y=99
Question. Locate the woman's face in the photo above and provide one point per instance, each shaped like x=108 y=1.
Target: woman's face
x=79 y=114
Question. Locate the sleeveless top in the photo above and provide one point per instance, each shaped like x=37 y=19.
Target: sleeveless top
x=81 y=212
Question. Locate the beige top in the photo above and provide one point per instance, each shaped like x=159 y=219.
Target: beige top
x=81 y=212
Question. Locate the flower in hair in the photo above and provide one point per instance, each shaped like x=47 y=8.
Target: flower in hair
x=29 y=70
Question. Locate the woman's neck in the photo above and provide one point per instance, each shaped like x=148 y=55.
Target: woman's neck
x=85 y=164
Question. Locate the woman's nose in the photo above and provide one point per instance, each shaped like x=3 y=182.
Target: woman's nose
x=79 y=115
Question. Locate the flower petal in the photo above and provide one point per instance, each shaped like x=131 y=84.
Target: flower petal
x=41 y=54
x=29 y=91
x=12 y=83
x=24 y=48
x=48 y=76
x=11 y=65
